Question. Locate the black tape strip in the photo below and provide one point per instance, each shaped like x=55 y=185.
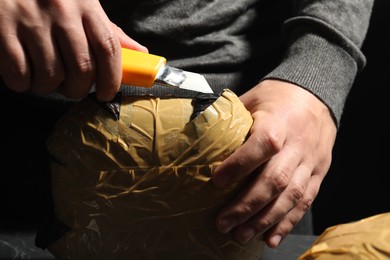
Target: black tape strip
x=200 y=101
x=158 y=90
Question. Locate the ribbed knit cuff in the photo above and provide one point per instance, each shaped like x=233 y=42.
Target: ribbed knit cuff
x=321 y=67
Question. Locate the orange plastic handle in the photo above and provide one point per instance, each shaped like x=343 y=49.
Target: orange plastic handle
x=139 y=68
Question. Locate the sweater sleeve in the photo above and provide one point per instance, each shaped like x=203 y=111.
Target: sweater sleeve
x=324 y=49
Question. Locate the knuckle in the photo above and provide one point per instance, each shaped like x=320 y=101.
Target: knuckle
x=285 y=227
x=58 y=4
x=16 y=69
x=272 y=140
x=327 y=160
x=54 y=76
x=84 y=65
x=110 y=46
x=264 y=223
x=281 y=179
x=248 y=207
x=61 y=8
x=306 y=204
x=297 y=193
x=239 y=163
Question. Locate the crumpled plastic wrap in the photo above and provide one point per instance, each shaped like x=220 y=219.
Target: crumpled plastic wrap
x=138 y=187
x=366 y=239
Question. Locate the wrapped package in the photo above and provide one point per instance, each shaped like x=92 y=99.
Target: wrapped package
x=366 y=239
x=136 y=183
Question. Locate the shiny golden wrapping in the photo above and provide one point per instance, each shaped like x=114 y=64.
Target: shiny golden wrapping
x=139 y=187
x=366 y=239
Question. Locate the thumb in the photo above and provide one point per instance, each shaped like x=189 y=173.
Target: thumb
x=127 y=42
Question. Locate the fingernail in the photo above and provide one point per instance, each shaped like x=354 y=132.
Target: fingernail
x=276 y=240
x=247 y=234
x=226 y=225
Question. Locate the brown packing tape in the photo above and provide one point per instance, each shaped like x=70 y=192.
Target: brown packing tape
x=368 y=238
x=139 y=187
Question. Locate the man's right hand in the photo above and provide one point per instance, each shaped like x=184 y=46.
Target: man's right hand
x=61 y=45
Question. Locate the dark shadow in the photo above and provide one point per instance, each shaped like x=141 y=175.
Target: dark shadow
x=356 y=185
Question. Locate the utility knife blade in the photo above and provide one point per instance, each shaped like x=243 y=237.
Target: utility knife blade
x=144 y=70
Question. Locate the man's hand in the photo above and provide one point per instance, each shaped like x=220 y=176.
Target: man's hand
x=288 y=154
x=62 y=45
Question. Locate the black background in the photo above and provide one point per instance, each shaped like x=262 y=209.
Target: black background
x=357 y=184
x=355 y=187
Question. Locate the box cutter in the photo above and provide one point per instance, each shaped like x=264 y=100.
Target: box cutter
x=144 y=70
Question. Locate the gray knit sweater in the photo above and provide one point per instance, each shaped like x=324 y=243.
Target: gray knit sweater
x=315 y=44
x=236 y=43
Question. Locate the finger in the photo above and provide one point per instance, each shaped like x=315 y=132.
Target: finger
x=78 y=59
x=263 y=142
x=45 y=61
x=127 y=42
x=108 y=56
x=278 y=232
x=14 y=67
x=277 y=209
x=270 y=183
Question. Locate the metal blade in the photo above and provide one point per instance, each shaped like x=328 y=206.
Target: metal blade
x=195 y=82
x=173 y=77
